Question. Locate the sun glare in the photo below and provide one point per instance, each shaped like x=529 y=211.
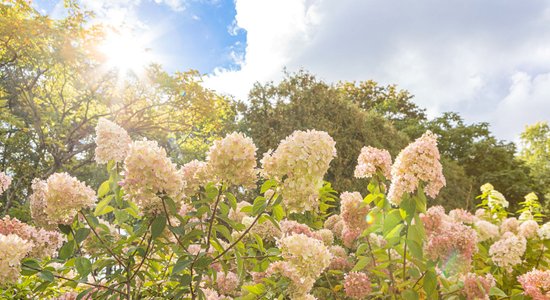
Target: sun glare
x=126 y=52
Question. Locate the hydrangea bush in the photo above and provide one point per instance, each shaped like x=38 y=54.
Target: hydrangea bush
x=227 y=228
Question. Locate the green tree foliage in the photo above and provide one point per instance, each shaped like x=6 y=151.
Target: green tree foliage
x=302 y=102
x=54 y=86
x=482 y=157
x=535 y=152
x=364 y=113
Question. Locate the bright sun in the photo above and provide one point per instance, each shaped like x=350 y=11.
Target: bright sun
x=126 y=52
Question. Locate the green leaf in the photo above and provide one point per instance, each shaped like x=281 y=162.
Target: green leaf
x=430 y=282
x=66 y=229
x=278 y=212
x=103 y=189
x=409 y=294
x=158 y=226
x=259 y=205
x=256 y=289
x=180 y=265
x=494 y=291
x=232 y=200
x=67 y=250
x=103 y=206
x=392 y=219
x=267 y=185
x=29 y=267
x=83 y=266
x=81 y=234
x=46 y=275
x=361 y=264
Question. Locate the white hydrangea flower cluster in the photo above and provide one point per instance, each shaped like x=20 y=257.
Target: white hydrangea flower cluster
x=299 y=165
x=507 y=252
x=149 y=173
x=112 y=142
x=486 y=230
x=544 y=231
x=5 y=182
x=12 y=250
x=58 y=199
x=418 y=162
x=495 y=198
x=195 y=175
x=233 y=160
x=372 y=159
x=528 y=229
x=309 y=255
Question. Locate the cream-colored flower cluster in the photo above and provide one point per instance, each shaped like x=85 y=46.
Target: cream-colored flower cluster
x=544 y=231
x=5 y=182
x=112 y=142
x=486 y=230
x=233 y=160
x=418 y=162
x=495 y=198
x=195 y=175
x=299 y=165
x=309 y=255
x=58 y=199
x=305 y=258
x=12 y=250
x=372 y=159
x=149 y=174
x=507 y=252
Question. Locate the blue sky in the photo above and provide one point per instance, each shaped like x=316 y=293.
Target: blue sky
x=196 y=35
x=488 y=60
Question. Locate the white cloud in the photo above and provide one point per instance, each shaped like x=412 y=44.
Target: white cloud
x=486 y=59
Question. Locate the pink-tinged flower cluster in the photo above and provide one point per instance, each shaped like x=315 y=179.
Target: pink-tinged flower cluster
x=335 y=224
x=310 y=256
x=353 y=211
x=233 y=160
x=299 y=165
x=195 y=175
x=58 y=199
x=227 y=283
x=477 y=287
x=507 y=252
x=357 y=285
x=149 y=173
x=112 y=142
x=462 y=216
x=372 y=159
x=528 y=229
x=486 y=231
x=5 y=182
x=509 y=225
x=447 y=238
x=12 y=250
x=544 y=231
x=43 y=243
x=536 y=284
x=434 y=219
x=290 y=227
x=340 y=259
x=418 y=162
